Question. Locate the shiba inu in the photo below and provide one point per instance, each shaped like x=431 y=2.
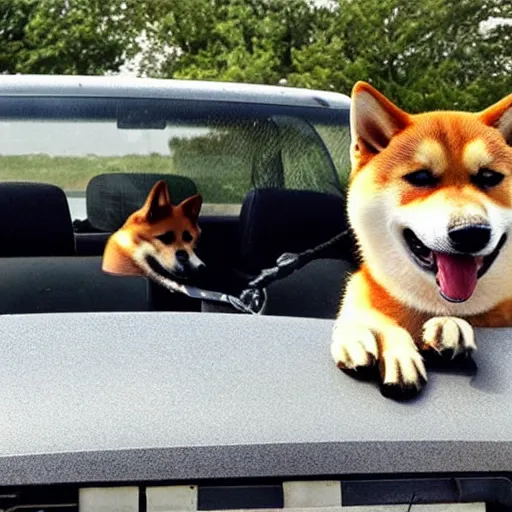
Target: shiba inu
x=430 y=204
x=158 y=240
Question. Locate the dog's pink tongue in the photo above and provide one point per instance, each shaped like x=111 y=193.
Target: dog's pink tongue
x=457 y=276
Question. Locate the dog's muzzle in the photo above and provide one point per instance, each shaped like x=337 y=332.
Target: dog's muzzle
x=183 y=271
x=457 y=270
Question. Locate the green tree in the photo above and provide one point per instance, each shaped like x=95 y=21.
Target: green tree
x=233 y=40
x=432 y=54
x=68 y=36
x=424 y=55
x=14 y=17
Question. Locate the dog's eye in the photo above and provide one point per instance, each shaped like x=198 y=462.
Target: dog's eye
x=167 y=238
x=422 y=178
x=187 y=237
x=486 y=178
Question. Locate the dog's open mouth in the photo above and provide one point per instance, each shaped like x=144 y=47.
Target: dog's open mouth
x=456 y=274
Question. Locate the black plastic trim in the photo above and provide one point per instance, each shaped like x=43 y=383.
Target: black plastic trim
x=427 y=490
x=238 y=497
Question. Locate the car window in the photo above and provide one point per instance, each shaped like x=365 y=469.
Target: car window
x=225 y=158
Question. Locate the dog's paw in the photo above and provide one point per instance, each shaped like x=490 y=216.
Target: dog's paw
x=448 y=336
x=402 y=369
x=353 y=347
x=356 y=349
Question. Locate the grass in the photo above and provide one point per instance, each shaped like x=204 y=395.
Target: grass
x=73 y=173
x=214 y=181
x=221 y=179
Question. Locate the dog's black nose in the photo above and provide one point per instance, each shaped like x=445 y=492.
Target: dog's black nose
x=182 y=256
x=470 y=239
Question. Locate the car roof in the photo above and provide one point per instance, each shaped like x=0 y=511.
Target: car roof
x=130 y=87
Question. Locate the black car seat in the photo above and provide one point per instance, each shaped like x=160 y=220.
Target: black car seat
x=39 y=268
x=274 y=221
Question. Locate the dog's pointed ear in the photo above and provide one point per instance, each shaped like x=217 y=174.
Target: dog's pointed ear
x=499 y=116
x=191 y=206
x=158 y=203
x=374 y=120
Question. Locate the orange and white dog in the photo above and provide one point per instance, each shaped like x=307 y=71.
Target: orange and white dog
x=158 y=240
x=430 y=204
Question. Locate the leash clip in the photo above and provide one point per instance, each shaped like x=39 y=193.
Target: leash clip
x=253 y=299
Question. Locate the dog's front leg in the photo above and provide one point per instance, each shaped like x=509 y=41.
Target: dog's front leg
x=366 y=336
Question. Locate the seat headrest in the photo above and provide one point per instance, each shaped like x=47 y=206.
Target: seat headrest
x=274 y=221
x=34 y=221
x=112 y=198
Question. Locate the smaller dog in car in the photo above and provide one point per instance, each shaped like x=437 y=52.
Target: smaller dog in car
x=430 y=203
x=158 y=240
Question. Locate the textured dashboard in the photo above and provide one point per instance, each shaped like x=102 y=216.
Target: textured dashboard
x=164 y=396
